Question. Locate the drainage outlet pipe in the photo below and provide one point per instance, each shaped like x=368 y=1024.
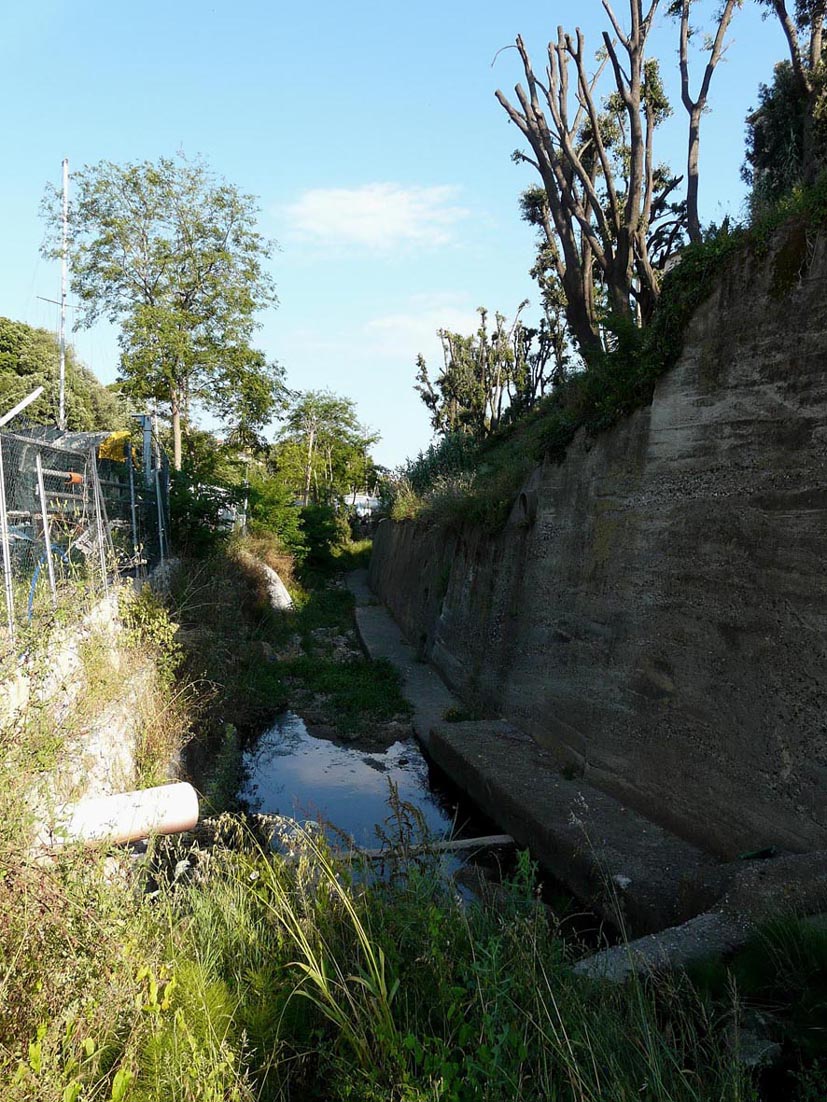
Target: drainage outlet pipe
x=126 y=817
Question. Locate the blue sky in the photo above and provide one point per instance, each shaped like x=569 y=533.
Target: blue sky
x=371 y=136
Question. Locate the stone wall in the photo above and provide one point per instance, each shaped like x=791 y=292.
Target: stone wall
x=100 y=725
x=655 y=611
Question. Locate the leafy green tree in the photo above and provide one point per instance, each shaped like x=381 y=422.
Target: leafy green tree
x=775 y=157
x=802 y=90
x=323 y=451
x=775 y=131
x=171 y=252
x=29 y=358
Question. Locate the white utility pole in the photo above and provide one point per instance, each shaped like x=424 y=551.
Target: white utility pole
x=64 y=268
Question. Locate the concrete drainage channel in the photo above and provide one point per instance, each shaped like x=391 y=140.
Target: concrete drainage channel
x=675 y=903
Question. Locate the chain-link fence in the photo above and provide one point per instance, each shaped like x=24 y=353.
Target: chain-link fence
x=69 y=517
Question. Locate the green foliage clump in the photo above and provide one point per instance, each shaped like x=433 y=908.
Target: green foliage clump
x=29 y=358
x=360 y=692
x=272 y=510
x=451 y=455
x=248 y=975
x=148 y=625
x=324 y=529
x=209 y=483
x=775 y=140
x=781 y=974
x=215 y=481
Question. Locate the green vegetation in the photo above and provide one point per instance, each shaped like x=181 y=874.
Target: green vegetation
x=29 y=358
x=172 y=253
x=622 y=260
x=230 y=966
x=360 y=693
x=32 y=744
x=245 y=975
x=494 y=377
x=247 y=662
x=231 y=972
x=459 y=480
x=323 y=453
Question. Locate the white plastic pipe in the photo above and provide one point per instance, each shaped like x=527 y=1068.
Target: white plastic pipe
x=126 y=817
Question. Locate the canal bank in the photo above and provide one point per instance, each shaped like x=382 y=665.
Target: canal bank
x=628 y=869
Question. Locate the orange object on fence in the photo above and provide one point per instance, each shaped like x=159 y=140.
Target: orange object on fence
x=74 y=478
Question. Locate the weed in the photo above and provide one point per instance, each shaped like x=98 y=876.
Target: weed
x=460 y=714
x=360 y=693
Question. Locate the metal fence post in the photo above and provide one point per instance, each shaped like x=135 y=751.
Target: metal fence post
x=96 y=491
x=161 y=532
x=47 y=537
x=132 y=505
x=6 y=546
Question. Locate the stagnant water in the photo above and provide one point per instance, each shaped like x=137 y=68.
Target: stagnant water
x=290 y=772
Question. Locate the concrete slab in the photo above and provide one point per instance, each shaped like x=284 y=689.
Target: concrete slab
x=707 y=935
x=631 y=871
x=423 y=687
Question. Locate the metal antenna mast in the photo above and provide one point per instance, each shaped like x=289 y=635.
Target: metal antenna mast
x=61 y=416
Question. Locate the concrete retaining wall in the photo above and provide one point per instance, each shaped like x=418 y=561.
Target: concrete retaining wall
x=656 y=610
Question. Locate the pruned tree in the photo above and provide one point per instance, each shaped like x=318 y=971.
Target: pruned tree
x=595 y=158
x=492 y=375
x=171 y=253
x=695 y=107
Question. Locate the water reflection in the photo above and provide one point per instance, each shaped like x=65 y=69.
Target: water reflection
x=289 y=772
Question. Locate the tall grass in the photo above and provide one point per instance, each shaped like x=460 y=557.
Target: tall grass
x=248 y=974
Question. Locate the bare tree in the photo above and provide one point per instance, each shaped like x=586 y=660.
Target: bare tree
x=696 y=107
x=597 y=165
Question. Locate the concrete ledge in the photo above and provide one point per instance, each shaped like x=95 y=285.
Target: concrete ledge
x=424 y=689
x=620 y=863
x=708 y=935
x=759 y=890
x=626 y=867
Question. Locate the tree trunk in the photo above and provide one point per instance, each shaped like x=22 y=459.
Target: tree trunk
x=308 y=470
x=579 y=322
x=175 y=405
x=696 y=107
x=693 y=222
x=811 y=163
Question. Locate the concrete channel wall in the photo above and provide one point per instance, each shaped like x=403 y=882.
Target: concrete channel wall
x=655 y=612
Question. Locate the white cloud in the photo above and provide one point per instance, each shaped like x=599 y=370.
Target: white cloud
x=409 y=332
x=376 y=216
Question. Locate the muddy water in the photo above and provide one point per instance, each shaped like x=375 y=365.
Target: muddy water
x=290 y=772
